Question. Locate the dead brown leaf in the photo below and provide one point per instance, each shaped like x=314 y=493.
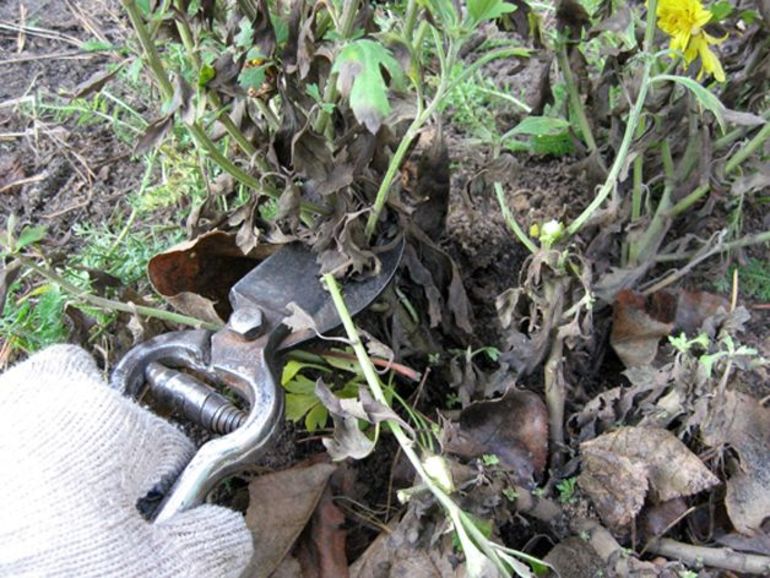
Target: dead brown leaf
x=514 y=428
x=207 y=268
x=635 y=332
x=321 y=553
x=619 y=466
x=280 y=505
x=740 y=422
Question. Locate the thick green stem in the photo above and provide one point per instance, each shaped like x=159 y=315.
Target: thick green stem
x=633 y=122
x=110 y=304
x=745 y=152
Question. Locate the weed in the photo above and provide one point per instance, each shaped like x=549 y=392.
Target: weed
x=566 y=489
x=754 y=277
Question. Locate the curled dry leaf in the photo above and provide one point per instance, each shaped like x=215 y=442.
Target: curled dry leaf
x=514 y=428
x=739 y=421
x=619 y=466
x=635 y=332
x=349 y=441
x=280 y=505
x=196 y=276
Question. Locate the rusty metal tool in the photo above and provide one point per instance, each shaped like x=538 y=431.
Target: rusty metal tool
x=244 y=357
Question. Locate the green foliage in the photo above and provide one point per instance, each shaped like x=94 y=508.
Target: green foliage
x=359 y=68
x=33 y=320
x=754 y=277
x=566 y=489
x=480 y=10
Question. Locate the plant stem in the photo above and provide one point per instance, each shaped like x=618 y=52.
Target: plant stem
x=574 y=97
x=445 y=87
x=511 y=220
x=199 y=134
x=460 y=519
x=110 y=304
x=345 y=30
x=633 y=121
x=744 y=152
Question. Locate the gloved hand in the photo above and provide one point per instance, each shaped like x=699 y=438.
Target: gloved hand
x=75 y=456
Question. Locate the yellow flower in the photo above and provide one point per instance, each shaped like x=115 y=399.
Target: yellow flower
x=683 y=21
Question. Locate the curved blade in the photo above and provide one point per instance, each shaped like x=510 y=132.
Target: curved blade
x=292 y=275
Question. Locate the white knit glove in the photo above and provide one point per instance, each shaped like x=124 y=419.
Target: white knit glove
x=75 y=456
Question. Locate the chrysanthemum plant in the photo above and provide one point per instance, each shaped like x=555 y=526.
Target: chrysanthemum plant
x=662 y=86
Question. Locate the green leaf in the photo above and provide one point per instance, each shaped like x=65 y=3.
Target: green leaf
x=704 y=96
x=300 y=385
x=96 y=46
x=444 y=11
x=359 y=68
x=206 y=74
x=720 y=11
x=540 y=126
x=316 y=418
x=252 y=77
x=298 y=405
x=30 y=235
x=480 y=10
x=245 y=36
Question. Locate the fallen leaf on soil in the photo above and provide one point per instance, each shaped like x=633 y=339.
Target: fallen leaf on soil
x=513 y=428
x=321 y=552
x=196 y=276
x=658 y=519
x=742 y=423
x=280 y=505
x=619 y=466
x=575 y=558
x=635 y=333
x=94 y=83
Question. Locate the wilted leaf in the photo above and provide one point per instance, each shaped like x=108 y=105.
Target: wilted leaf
x=359 y=66
x=280 y=505
x=616 y=484
x=739 y=421
x=635 y=333
x=513 y=428
x=573 y=557
x=616 y=463
x=94 y=83
x=705 y=97
x=153 y=135
x=348 y=441
x=208 y=267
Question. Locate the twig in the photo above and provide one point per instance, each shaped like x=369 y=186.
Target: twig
x=110 y=304
x=723 y=558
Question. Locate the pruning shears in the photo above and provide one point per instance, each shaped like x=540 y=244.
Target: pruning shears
x=178 y=367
